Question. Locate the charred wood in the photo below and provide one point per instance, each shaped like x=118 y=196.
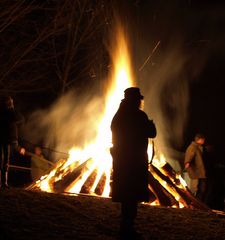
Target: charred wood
x=170 y=172
x=70 y=177
x=100 y=187
x=86 y=188
x=186 y=197
x=161 y=175
x=152 y=196
x=164 y=197
x=191 y=200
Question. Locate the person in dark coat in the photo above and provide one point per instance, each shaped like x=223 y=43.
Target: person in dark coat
x=9 y=119
x=131 y=129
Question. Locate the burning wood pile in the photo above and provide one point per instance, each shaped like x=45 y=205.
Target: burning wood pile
x=166 y=187
x=88 y=170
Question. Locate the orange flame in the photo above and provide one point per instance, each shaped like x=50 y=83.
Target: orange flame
x=98 y=150
x=96 y=156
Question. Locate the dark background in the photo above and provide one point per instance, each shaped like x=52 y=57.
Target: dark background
x=196 y=27
x=51 y=47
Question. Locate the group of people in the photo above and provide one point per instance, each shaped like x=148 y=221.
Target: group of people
x=9 y=146
x=131 y=129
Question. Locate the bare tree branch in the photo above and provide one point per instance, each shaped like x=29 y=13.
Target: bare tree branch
x=51 y=46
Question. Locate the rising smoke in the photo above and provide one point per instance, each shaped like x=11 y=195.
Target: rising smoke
x=71 y=121
x=165 y=81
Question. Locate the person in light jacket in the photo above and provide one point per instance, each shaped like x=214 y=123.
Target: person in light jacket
x=194 y=164
x=39 y=164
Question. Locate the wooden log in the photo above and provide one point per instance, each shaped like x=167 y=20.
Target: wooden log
x=58 y=165
x=161 y=175
x=152 y=196
x=101 y=184
x=191 y=200
x=170 y=172
x=172 y=184
x=164 y=197
x=86 y=188
x=70 y=177
x=186 y=197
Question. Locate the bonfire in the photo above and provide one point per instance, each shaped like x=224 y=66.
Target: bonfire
x=88 y=170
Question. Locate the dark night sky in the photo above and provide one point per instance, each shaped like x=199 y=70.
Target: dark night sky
x=198 y=27
x=194 y=26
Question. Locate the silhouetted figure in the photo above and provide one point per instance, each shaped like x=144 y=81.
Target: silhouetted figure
x=131 y=129
x=194 y=165
x=9 y=119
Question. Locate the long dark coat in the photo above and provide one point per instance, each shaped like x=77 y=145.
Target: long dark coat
x=131 y=129
x=9 y=119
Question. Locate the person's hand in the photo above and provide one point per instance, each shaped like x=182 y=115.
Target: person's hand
x=22 y=151
x=187 y=165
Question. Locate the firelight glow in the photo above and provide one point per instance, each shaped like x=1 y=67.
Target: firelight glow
x=98 y=150
x=94 y=160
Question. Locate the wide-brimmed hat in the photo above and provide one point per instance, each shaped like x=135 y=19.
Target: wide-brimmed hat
x=133 y=93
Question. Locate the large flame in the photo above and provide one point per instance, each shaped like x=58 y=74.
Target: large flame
x=98 y=150
x=94 y=160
